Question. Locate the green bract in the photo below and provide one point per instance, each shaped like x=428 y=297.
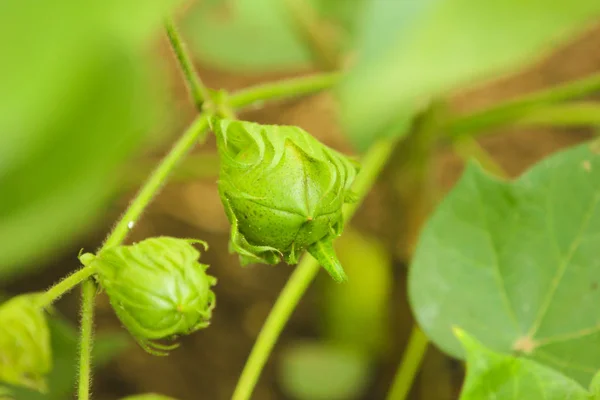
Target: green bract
x=283 y=193
x=157 y=287
x=25 y=352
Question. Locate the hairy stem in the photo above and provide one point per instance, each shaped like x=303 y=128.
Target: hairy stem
x=195 y=133
x=514 y=109
x=88 y=293
x=196 y=88
x=65 y=285
x=468 y=148
x=303 y=275
x=409 y=365
x=283 y=89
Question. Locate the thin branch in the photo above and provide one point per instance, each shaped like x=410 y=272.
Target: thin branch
x=196 y=88
x=283 y=89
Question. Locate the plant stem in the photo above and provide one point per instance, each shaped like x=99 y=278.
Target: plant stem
x=283 y=89
x=196 y=88
x=88 y=293
x=196 y=132
x=305 y=272
x=409 y=365
x=65 y=285
x=513 y=109
x=467 y=147
x=574 y=114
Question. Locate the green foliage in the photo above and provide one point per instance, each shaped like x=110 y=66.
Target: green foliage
x=412 y=51
x=318 y=371
x=76 y=101
x=244 y=35
x=283 y=192
x=5 y=393
x=157 y=288
x=259 y=35
x=491 y=375
x=515 y=264
x=595 y=386
x=25 y=342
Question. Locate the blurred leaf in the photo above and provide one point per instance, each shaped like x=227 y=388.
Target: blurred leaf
x=595 y=386
x=501 y=377
x=76 y=101
x=5 y=393
x=347 y=13
x=516 y=264
x=356 y=314
x=244 y=35
x=318 y=371
x=65 y=349
x=147 y=396
x=258 y=35
x=412 y=51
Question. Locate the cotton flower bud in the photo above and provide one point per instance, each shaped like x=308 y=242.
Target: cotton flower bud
x=157 y=288
x=283 y=193
x=25 y=352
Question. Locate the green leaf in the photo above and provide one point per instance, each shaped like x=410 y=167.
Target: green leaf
x=64 y=349
x=491 y=375
x=516 y=264
x=595 y=386
x=76 y=101
x=244 y=35
x=412 y=51
x=259 y=35
x=318 y=371
x=5 y=393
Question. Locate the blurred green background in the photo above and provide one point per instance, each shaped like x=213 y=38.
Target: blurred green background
x=90 y=98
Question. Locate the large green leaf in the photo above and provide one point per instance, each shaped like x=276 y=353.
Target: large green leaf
x=491 y=375
x=412 y=51
x=516 y=264
x=76 y=100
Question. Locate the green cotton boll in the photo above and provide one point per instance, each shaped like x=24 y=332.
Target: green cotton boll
x=25 y=350
x=157 y=288
x=283 y=193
